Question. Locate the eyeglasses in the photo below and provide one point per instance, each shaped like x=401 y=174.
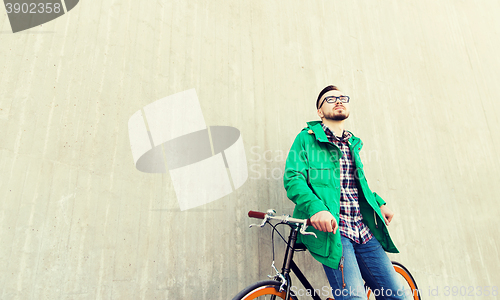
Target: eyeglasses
x=333 y=99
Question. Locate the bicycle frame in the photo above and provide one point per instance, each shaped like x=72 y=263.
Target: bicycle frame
x=289 y=265
x=283 y=278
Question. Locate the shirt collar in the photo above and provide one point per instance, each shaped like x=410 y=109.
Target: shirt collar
x=346 y=135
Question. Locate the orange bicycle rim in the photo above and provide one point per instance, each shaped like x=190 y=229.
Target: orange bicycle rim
x=267 y=290
x=408 y=279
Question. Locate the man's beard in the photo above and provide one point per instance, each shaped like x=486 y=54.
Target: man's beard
x=337 y=117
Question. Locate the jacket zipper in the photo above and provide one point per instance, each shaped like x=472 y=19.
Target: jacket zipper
x=375 y=218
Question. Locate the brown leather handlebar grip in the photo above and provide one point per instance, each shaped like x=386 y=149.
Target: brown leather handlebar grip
x=261 y=215
x=256 y=214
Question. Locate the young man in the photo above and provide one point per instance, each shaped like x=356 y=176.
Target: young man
x=324 y=177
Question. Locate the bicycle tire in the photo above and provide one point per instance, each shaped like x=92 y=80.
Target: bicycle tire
x=263 y=290
x=410 y=283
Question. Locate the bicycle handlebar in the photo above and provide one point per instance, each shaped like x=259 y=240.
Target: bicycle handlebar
x=261 y=215
x=284 y=219
x=256 y=214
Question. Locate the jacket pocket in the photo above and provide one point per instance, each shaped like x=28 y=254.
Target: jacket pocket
x=320 y=176
x=319 y=245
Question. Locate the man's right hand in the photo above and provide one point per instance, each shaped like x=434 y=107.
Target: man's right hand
x=324 y=221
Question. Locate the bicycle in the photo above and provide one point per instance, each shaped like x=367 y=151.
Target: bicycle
x=280 y=285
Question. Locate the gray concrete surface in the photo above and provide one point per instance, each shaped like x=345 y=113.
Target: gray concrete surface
x=79 y=221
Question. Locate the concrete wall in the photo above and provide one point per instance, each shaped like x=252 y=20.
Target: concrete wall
x=79 y=221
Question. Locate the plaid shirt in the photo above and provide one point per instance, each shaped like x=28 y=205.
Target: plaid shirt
x=350 y=219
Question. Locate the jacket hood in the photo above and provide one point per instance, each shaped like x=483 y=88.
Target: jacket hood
x=318 y=131
x=320 y=134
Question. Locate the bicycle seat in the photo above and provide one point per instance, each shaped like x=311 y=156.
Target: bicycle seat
x=300 y=247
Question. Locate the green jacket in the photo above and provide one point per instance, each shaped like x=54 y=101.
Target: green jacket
x=312 y=182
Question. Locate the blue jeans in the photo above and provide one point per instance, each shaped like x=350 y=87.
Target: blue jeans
x=366 y=262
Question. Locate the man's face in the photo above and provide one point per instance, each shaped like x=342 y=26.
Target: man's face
x=337 y=111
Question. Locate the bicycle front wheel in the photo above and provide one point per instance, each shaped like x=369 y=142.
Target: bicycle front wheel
x=263 y=290
x=409 y=283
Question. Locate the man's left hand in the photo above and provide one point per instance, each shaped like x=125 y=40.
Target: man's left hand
x=387 y=214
